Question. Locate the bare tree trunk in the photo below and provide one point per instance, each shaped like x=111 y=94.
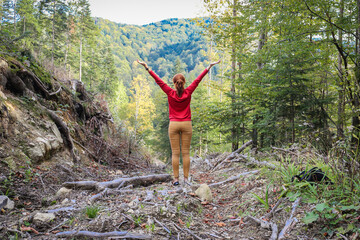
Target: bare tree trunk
x=80 y=64
x=66 y=50
x=53 y=36
x=341 y=84
x=262 y=37
x=15 y=16
x=356 y=101
x=234 y=134
x=1 y=11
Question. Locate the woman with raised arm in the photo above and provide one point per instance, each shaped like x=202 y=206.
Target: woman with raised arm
x=180 y=118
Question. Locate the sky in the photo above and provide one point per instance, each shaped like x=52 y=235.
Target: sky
x=140 y=12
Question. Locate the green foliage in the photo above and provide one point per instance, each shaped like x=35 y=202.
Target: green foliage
x=137 y=220
x=92 y=211
x=263 y=201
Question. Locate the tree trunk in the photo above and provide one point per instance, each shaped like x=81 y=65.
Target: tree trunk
x=234 y=134
x=341 y=84
x=262 y=36
x=53 y=37
x=80 y=64
x=14 y=16
x=356 y=102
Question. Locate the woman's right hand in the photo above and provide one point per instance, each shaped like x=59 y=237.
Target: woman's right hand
x=143 y=63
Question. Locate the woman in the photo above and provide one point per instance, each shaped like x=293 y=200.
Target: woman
x=180 y=118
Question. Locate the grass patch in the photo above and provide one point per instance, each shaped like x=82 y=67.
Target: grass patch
x=92 y=211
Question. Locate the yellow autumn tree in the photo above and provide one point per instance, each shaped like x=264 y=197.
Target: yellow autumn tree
x=141 y=107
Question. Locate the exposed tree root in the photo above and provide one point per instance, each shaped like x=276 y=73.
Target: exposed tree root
x=65 y=132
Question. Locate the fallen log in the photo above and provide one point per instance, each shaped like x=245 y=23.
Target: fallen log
x=126 y=235
x=232 y=155
x=135 y=181
x=233 y=178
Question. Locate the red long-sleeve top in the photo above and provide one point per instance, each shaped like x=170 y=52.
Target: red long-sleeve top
x=179 y=107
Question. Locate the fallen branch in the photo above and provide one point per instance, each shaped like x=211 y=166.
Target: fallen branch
x=284 y=150
x=273 y=210
x=252 y=160
x=163 y=226
x=99 y=195
x=232 y=155
x=291 y=221
x=268 y=225
x=135 y=181
x=188 y=231
x=233 y=178
x=102 y=235
x=87 y=150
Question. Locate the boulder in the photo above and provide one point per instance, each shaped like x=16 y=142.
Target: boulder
x=204 y=192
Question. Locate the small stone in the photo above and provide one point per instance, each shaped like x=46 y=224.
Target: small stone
x=62 y=191
x=65 y=201
x=133 y=204
x=130 y=211
x=41 y=218
x=204 y=192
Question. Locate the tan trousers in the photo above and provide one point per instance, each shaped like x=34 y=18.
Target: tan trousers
x=183 y=131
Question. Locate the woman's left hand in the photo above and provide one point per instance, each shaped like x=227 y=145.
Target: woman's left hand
x=212 y=64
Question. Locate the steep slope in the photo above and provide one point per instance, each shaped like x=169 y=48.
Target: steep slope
x=52 y=131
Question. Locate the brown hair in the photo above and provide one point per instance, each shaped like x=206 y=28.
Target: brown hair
x=179 y=81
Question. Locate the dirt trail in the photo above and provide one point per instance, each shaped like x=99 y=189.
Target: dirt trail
x=162 y=211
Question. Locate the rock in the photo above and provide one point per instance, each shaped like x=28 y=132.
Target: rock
x=2 y=178
x=204 y=192
x=41 y=218
x=62 y=191
x=41 y=148
x=2 y=95
x=65 y=201
x=3 y=201
x=6 y=203
x=159 y=163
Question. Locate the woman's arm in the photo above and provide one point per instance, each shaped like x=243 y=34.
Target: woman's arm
x=157 y=79
x=196 y=82
x=144 y=64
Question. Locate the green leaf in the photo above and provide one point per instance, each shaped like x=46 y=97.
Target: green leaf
x=310 y=217
x=351 y=207
x=321 y=207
